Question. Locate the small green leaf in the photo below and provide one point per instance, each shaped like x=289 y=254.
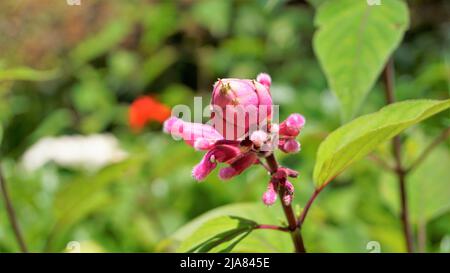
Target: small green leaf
x=218 y=235
x=240 y=240
x=353 y=42
x=27 y=74
x=356 y=139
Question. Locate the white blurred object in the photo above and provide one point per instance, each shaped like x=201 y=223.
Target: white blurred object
x=90 y=152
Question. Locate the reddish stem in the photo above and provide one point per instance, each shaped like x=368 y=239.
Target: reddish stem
x=302 y=217
x=12 y=214
x=296 y=236
x=400 y=171
x=263 y=226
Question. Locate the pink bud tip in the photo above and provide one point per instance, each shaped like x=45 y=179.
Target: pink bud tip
x=227 y=173
x=202 y=169
x=264 y=79
x=259 y=137
x=270 y=196
x=295 y=121
x=291 y=146
x=168 y=124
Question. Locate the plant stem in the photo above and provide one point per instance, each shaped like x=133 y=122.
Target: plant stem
x=443 y=136
x=263 y=226
x=302 y=217
x=295 y=232
x=382 y=163
x=11 y=214
x=388 y=78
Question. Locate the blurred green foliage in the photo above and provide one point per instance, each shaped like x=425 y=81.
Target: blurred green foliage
x=75 y=69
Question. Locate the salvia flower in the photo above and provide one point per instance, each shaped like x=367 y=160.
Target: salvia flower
x=241 y=105
x=240 y=133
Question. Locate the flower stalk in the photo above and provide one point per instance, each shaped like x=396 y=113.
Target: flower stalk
x=294 y=229
x=400 y=171
x=12 y=214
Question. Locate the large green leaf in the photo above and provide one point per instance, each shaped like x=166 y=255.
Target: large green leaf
x=356 y=139
x=221 y=234
x=353 y=42
x=233 y=218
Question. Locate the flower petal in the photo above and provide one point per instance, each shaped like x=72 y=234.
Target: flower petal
x=204 y=168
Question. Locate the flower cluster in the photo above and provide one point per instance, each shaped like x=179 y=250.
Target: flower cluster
x=241 y=134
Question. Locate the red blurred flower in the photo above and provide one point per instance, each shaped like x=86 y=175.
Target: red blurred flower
x=146 y=109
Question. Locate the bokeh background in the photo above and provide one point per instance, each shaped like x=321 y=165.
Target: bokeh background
x=77 y=170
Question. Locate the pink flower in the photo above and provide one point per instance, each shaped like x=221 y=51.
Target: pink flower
x=288 y=130
x=292 y=125
x=240 y=142
x=240 y=105
x=205 y=137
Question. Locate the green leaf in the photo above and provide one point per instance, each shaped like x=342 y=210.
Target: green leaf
x=356 y=139
x=154 y=66
x=101 y=42
x=240 y=240
x=428 y=189
x=316 y=3
x=218 y=235
x=217 y=22
x=86 y=194
x=353 y=42
x=27 y=74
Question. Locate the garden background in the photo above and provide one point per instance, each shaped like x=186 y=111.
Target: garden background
x=75 y=70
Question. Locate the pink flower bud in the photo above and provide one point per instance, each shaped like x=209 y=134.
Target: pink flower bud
x=288 y=193
x=292 y=125
x=264 y=79
x=240 y=104
x=270 y=196
x=290 y=146
x=289 y=188
x=206 y=165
